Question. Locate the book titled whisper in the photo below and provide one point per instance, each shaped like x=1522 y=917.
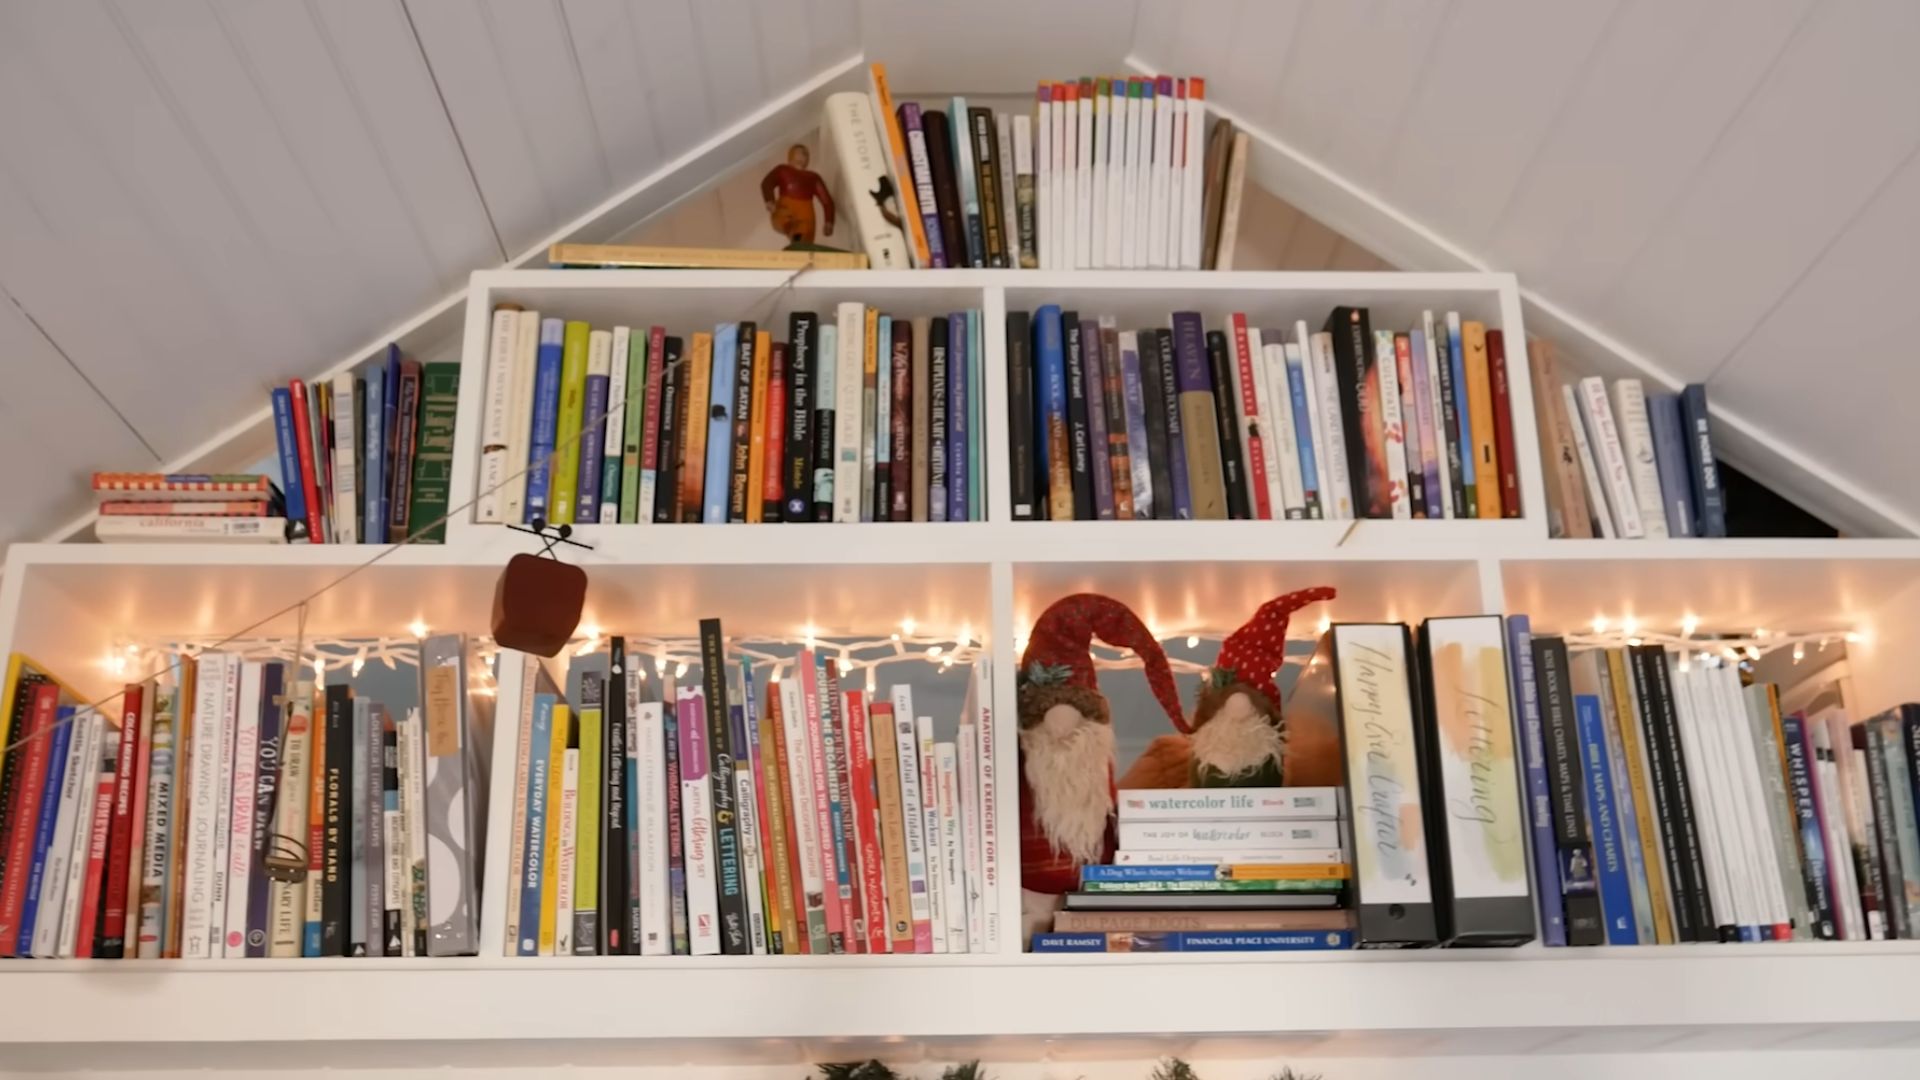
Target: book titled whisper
x=1214 y=804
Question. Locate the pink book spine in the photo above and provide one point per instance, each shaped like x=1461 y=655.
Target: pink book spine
x=1250 y=408
x=822 y=814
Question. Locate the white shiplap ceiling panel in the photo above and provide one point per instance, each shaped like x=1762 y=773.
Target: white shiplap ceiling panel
x=1830 y=123
x=1832 y=363
x=1660 y=90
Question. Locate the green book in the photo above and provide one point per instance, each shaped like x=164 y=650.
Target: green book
x=586 y=858
x=433 y=454
x=573 y=409
x=635 y=420
x=1236 y=885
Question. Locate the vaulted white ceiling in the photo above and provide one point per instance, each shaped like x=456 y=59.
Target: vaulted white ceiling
x=201 y=198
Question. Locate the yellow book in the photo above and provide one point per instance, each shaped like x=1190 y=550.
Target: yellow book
x=1486 y=462
x=586 y=847
x=566 y=440
x=550 y=863
x=781 y=923
x=897 y=161
x=757 y=440
x=693 y=463
x=1286 y=871
x=1629 y=719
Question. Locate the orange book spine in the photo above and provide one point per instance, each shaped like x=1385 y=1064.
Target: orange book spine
x=693 y=459
x=897 y=158
x=755 y=479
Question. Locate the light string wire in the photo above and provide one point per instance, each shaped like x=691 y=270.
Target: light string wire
x=759 y=307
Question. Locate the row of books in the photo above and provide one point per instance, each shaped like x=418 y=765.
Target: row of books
x=367 y=457
x=1625 y=463
x=1245 y=423
x=1215 y=870
x=734 y=818
x=162 y=507
x=868 y=417
x=1683 y=806
x=235 y=809
x=1104 y=173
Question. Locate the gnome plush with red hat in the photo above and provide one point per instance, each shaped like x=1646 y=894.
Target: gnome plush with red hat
x=1066 y=744
x=1237 y=737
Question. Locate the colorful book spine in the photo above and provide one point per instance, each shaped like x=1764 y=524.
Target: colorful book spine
x=593 y=426
x=546 y=418
x=959 y=429
x=1616 y=896
x=287 y=445
x=677 y=905
x=1193 y=941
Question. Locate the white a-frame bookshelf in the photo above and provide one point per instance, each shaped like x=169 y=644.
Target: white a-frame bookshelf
x=66 y=605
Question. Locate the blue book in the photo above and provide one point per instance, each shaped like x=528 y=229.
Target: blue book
x=586 y=504
x=1709 y=500
x=719 y=463
x=1134 y=393
x=374 y=474
x=389 y=439
x=1303 y=433
x=1626 y=820
x=1195 y=941
x=976 y=423
x=1616 y=891
x=1050 y=396
x=1166 y=872
x=964 y=168
x=289 y=452
x=957 y=397
x=1806 y=812
x=1670 y=460
x=1176 y=430
x=533 y=841
x=1458 y=361
x=1539 y=801
x=546 y=416
x=61 y=738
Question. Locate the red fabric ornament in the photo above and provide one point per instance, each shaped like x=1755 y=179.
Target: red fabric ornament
x=1251 y=654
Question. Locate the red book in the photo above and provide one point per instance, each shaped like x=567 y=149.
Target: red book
x=1503 y=425
x=99 y=826
x=798 y=935
x=1250 y=409
x=25 y=811
x=866 y=826
x=113 y=919
x=772 y=489
x=309 y=480
x=900 y=430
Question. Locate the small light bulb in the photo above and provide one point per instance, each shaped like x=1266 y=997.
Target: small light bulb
x=871 y=684
x=417 y=628
x=809 y=631
x=966 y=634
x=1326 y=623
x=1799 y=651
x=896 y=637
x=935 y=651
x=773 y=677
x=947 y=663
x=1193 y=641
x=1686 y=661
x=680 y=670
x=1599 y=624
x=1752 y=653
x=1633 y=641
x=359 y=663
x=133 y=650
x=1019 y=643
x=1688 y=625
x=906 y=627
x=1629 y=624
x=319 y=668
x=1855 y=637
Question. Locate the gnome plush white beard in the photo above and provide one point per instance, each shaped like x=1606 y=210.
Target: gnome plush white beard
x=1238 y=739
x=1069 y=765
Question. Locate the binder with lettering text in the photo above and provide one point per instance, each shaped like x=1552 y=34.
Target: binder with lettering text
x=1476 y=824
